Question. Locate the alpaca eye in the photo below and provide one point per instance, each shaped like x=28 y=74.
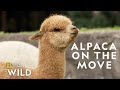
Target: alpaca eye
x=56 y=29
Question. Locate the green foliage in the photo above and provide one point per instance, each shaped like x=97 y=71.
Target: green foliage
x=118 y=20
x=100 y=29
x=1 y=33
x=82 y=22
x=100 y=21
x=11 y=24
x=87 y=19
x=31 y=20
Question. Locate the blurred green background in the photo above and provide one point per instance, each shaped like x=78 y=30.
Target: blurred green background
x=21 y=21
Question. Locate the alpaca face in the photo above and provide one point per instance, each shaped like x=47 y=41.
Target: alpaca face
x=61 y=38
x=57 y=30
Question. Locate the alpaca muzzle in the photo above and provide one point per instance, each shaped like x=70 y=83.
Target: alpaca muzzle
x=74 y=31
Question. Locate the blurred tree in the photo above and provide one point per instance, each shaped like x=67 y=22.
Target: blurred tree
x=90 y=19
x=99 y=20
x=28 y=20
x=115 y=15
x=22 y=20
x=15 y=21
x=4 y=21
x=18 y=21
x=81 y=18
x=37 y=17
x=96 y=13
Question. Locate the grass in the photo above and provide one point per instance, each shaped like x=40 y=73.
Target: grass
x=99 y=29
x=81 y=29
x=32 y=32
x=24 y=32
x=1 y=33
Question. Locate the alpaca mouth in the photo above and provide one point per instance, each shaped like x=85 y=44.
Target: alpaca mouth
x=74 y=33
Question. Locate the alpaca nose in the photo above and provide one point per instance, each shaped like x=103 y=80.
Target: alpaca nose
x=74 y=29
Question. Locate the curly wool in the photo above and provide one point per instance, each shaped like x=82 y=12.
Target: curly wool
x=19 y=52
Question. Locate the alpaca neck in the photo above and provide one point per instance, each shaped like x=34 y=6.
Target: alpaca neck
x=52 y=61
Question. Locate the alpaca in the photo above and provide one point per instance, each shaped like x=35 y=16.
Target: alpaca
x=55 y=35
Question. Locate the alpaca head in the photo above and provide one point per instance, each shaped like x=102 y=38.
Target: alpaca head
x=58 y=30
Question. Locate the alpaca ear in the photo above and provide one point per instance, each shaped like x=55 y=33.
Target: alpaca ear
x=36 y=36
